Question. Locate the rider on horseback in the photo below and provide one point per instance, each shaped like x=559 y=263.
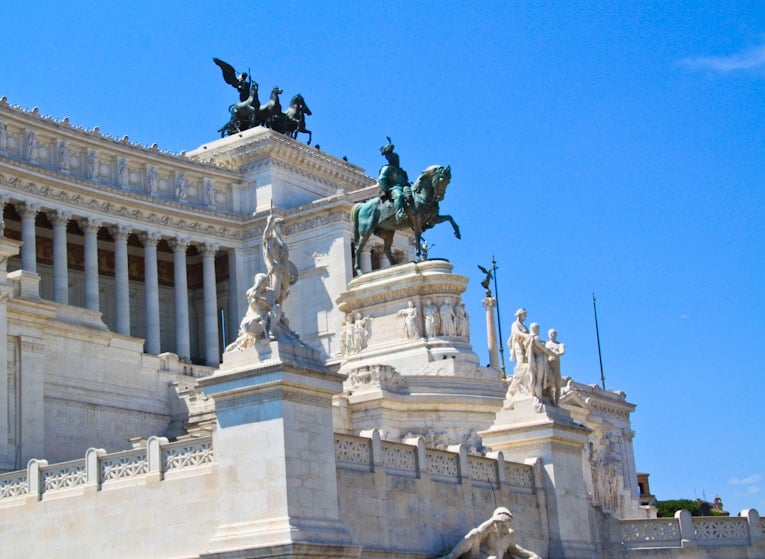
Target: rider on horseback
x=394 y=184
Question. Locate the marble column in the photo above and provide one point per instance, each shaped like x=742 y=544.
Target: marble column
x=90 y=229
x=59 y=219
x=28 y=212
x=210 y=305
x=3 y=203
x=366 y=260
x=489 y=303
x=183 y=346
x=120 y=234
x=151 y=287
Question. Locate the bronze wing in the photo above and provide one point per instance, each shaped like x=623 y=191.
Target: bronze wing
x=229 y=74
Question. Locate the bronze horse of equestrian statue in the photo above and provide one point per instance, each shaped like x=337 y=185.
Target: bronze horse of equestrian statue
x=378 y=217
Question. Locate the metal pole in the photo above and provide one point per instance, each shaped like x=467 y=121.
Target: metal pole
x=499 y=321
x=597 y=336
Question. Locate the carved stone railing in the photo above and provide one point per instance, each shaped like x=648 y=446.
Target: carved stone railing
x=187 y=454
x=710 y=530
x=101 y=470
x=13 y=484
x=399 y=457
x=65 y=475
x=412 y=459
x=685 y=530
x=482 y=469
x=519 y=475
x=443 y=464
x=654 y=532
x=353 y=451
x=124 y=465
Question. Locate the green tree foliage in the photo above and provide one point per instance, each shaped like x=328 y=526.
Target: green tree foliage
x=667 y=509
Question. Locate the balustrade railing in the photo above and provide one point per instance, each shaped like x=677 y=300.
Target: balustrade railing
x=684 y=529
x=447 y=466
x=99 y=469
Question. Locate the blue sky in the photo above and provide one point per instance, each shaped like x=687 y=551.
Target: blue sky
x=606 y=147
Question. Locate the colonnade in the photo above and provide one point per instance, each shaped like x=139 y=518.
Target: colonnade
x=90 y=227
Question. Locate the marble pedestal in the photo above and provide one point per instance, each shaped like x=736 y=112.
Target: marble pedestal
x=276 y=459
x=557 y=441
x=413 y=382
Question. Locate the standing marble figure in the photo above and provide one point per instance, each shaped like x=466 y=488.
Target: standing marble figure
x=276 y=258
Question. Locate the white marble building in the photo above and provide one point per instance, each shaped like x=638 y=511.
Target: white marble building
x=127 y=432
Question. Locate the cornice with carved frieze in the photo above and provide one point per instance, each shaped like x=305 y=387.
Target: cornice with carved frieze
x=249 y=151
x=113 y=205
x=53 y=127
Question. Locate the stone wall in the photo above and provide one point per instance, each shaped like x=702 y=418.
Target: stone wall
x=408 y=499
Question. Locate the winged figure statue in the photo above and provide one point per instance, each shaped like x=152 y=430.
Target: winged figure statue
x=241 y=82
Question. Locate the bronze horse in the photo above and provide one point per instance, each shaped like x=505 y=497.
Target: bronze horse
x=375 y=216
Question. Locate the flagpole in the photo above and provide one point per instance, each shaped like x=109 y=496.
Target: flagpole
x=597 y=336
x=499 y=320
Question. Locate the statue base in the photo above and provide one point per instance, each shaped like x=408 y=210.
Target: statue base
x=402 y=379
x=273 y=403
x=539 y=429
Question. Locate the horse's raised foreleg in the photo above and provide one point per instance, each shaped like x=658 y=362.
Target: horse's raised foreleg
x=441 y=218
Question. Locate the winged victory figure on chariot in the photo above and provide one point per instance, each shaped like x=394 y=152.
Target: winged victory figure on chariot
x=249 y=113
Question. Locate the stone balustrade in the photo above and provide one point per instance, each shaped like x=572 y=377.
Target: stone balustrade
x=685 y=531
x=158 y=460
x=415 y=460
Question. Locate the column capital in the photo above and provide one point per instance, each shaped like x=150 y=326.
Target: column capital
x=90 y=225
x=149 y=239
x=489 y=303
x=58 y=217
x=179 y=245
x=209 y=249
x=28 y=209
x=120 y=232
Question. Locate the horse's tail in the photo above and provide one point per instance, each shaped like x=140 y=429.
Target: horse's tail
x=355 y=222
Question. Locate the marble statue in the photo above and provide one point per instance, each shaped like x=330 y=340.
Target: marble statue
x=461 y=322
x=430 y=313
x=418 y=202
x=153 y=180
x=262 y=316
x=345 y=336
x=63 y=157
x=33 y=147
x=537 y=357
x=210 y=193
x=552 y=387
x=361 y=332
x=410 y=316
x=519 y=336
x=92 y=164
x=492 y=539
x=122 y=172
x=276 y=258
x=446 y=313
x=181 y=187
